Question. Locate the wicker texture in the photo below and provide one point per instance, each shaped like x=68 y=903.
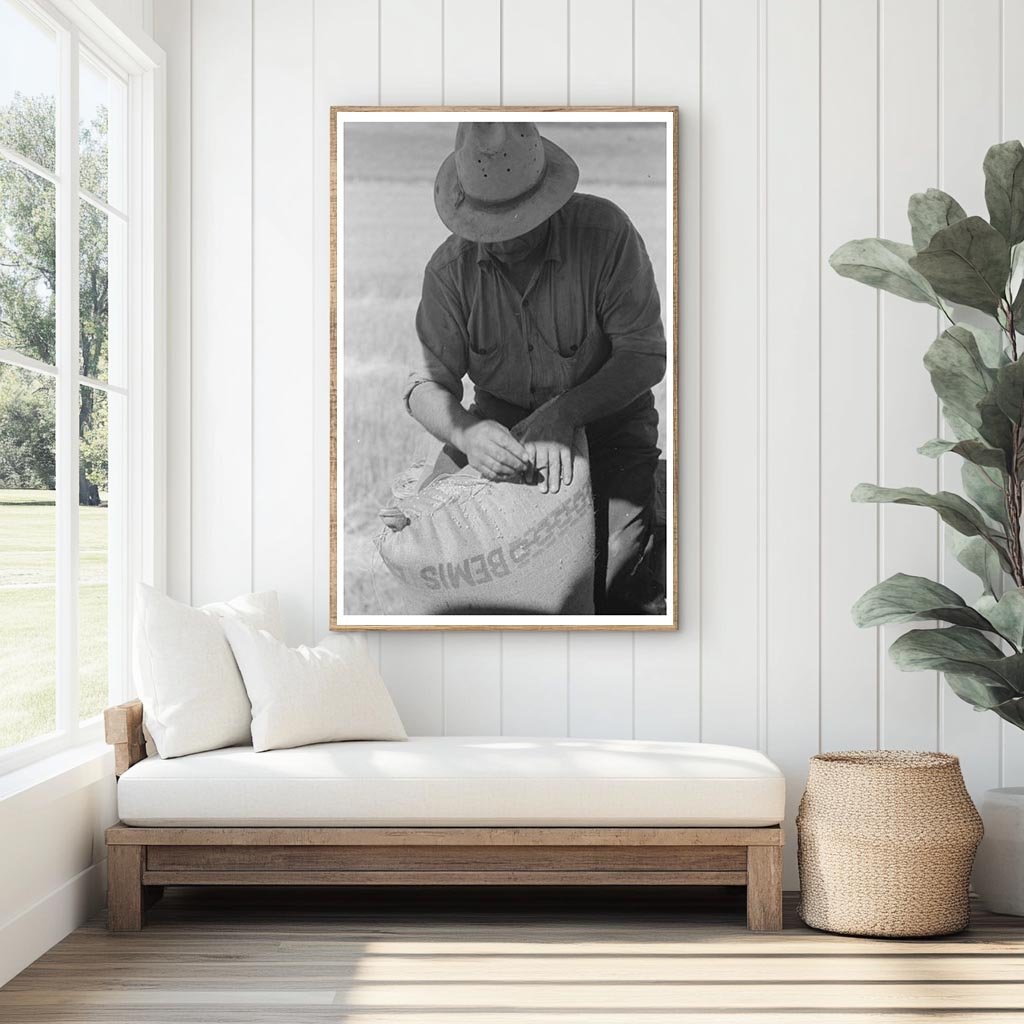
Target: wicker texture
x=886 y=841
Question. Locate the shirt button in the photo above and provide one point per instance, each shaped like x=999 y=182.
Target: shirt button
x=526 y=303
x=529 y=348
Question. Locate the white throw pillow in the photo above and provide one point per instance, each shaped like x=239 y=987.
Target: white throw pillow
x=192 y=693
x=309 y=694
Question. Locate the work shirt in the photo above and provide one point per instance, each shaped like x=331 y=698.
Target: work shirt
x=593 y=295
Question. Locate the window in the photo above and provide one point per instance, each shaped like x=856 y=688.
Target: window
x=76 y=351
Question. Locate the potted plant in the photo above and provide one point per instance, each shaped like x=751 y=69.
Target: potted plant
x=977 y=372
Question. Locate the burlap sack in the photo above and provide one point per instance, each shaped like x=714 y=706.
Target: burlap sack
x=473 y=547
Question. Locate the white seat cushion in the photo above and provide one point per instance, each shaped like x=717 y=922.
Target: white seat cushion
x=458 y=780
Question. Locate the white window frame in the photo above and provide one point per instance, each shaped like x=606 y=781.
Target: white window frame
x=140 y=63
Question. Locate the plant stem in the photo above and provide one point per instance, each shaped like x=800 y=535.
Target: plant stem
x=1012 y=494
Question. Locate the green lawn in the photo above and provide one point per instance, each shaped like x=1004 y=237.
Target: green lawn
x=28 y=524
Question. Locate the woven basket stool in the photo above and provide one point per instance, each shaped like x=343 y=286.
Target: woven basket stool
x=886 y=840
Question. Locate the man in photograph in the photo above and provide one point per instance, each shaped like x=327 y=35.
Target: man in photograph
x=546 y=299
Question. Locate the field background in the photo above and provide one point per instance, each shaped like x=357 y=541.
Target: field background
x=28 y=613
x=390 y=230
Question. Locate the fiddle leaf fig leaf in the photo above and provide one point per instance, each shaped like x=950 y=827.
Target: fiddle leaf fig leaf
x=967 y=263
x=903 y=598
x=883 y=264
x=1016 y=281
x=1011 y=711
x=984 y=486
x=1009 y=390
x=963 y=652
x=1006 y=614
x=929 y=212
x=977 y=556
x=973 y=451
x=981 y=693
x=1017 y=308
x=959 y=374
x=922 y=650
x=1004 y=189
x=990 y=345
x=952 y=509
x=962 y=430
x=996 y=428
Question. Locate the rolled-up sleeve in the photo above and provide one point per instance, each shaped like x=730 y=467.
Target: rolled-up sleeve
x=628 y=302
x=443 y=339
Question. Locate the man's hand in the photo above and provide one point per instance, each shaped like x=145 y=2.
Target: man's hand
x=492 y=450
x=548 y=442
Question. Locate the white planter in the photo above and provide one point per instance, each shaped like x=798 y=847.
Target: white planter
x=999 y=867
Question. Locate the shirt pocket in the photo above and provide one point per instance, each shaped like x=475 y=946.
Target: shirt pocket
x=496 y=371
x=486 y=334
x=485 y=345
x=583 y=359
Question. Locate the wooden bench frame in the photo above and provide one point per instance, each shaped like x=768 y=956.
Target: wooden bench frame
x=142 y=860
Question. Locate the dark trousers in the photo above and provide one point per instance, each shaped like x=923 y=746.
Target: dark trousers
x=623 y=459
x=622 y=468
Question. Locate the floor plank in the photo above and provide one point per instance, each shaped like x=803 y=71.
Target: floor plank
x=497 y=957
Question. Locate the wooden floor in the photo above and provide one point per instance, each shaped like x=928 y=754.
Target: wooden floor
x=622 y=956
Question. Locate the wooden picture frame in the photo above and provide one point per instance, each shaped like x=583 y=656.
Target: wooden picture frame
x=350 y=612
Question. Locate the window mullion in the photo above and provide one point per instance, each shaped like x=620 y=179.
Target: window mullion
x=67 y=386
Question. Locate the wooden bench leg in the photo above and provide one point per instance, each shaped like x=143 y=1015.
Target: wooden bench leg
x=764 y=888
x=125 y=896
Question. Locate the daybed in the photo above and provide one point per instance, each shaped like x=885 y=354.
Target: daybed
x=444 y=811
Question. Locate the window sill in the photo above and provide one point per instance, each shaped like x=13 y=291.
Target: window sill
x=55 y=776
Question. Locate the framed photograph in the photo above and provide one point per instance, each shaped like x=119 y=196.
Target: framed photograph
x=504 y=368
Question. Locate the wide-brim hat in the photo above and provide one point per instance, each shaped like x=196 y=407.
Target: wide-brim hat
x=502 y=180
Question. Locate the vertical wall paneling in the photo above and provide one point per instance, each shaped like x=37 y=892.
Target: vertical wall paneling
x=173 y=28
x=968 y=125
x=909 y=414
x=729 y=282
x=666 y=666
x=413 y=666
x=803 y=125
x=601 y=52
x=534 y=60
x=534 y=697
x=601 y=72
x=221 y=370
x=411 y=72
x=601 y=685
x=472 y=52
x=472 y=684
x=849 y=369
x=283 y=339
x=132 y=15
x=410 y=52
x=345 y=60
x=472 y=74
x=792 y=416
x=1012 y=127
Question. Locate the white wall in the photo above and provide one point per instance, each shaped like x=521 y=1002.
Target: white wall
x=53 y=862
x=804 y=123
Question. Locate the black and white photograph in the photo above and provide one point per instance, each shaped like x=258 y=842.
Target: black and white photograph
x=503 y=368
